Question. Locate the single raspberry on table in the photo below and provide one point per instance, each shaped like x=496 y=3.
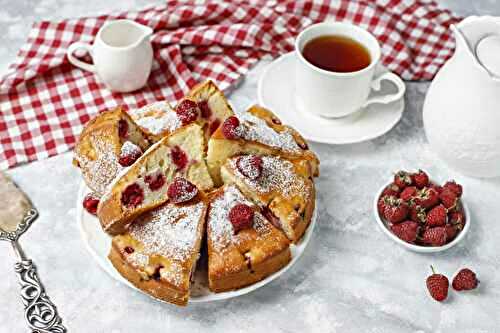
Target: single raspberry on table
x=181 y=190
x=204 y=109
x=132 y=196
x=391 y=189
x=90 y=203
x=241 y=217
x=448 y=198
x=421 y=179
x=250 y=166
x=436 y=236
x=187 y=111
x=179 y=157
x=155 y=181
x=406 y=231
x=122 y=129
x=427 y=197
x=437 y=216
x=403 y=179
x=396 y=210
x=438 y=285
x=230 y=128
x=454 y=187
x=408 y=193
x=465 y=280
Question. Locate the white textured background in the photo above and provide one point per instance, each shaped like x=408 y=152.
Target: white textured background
x=351 y=278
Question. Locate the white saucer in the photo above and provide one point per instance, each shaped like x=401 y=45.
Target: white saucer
x=98 y=243
x=276 y=90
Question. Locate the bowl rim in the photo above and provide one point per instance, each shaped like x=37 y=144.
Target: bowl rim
x=420 y=248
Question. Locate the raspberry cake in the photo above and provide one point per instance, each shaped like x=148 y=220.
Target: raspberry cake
x=256 y=131
x=243 y=246
x=156 y=120
x=145 y=184
x=158 y=253
x=283 y=188
x=108 y=143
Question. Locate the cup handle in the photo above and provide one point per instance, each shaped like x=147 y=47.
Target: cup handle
x=385 y=99
x=76 y=62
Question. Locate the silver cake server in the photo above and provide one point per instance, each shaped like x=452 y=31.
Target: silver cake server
x=16 y=216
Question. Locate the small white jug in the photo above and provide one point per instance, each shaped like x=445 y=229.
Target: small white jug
x=122 y=55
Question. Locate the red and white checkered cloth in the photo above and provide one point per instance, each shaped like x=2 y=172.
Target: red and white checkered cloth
x=45 y=101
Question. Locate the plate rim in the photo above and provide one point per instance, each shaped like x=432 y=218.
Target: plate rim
x=108 y=268
x=319 y=139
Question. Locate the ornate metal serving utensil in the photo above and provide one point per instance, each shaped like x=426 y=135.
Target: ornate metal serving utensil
x=16 y=216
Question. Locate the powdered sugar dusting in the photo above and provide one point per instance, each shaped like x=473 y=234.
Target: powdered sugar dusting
x=277 y=175
x=170 y=230
x=253 y=128
x=156 y=118
x=128 y=148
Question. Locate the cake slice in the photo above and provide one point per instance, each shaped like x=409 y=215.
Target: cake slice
x=283 y=188
x=243 y=246
x=157 y=120
x=108 y=143
x=159 y=252
x=145 y=184
x=256 y=131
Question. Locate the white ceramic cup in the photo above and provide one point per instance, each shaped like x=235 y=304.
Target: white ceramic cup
x=334 y=94
x=122 y=55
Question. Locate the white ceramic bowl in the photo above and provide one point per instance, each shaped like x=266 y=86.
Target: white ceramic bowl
x=419 y=248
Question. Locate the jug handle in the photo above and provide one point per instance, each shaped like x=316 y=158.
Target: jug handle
x=76 y=62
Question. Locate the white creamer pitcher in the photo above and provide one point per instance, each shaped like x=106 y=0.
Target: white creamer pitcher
x=122 y=55
x=462 y=107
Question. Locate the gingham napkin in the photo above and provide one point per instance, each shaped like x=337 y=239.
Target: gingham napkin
x=45 y=101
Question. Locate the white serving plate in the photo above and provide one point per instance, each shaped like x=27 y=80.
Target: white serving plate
x=419 y=248
x=98 y=243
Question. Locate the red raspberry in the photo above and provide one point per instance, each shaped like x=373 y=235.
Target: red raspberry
x=129 y=154
x=241 y=217
x=250 y=166
x=391 y=189
x=132 y=196
x=456 y=218
x=448 y=198
x=427 y=198
x=123 y=129
x=421 y=179
x=434 y=236
x=436 y=187
x=90 y=203
x=465 y=280
x=205 y=109
x=382 y=201
x=402 y=179
x=129 y=249
x=417 y=214
x=454 y=187
x=214 y=125
x=187 y=111
x=179 y=158
x=437 y=216
x=438 y=285
x=396 y=210
x=230 y=128
x=408 y=193
x=406 y=231
x=155 y=181
x=181 y=190
x=451 y=232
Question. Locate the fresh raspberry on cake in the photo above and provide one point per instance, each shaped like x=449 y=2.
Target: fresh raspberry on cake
x=129 y=154
x=454 y=187
x=230 y=128
x=250 y=166
x=241 y=217
x=179 y=157
x=448 y=198
x=155 y=181
x=204 y=109
x=421 y=179
x=396 y=210
x=187 y=111
x=438 y=285
x=181 y=190
x=434 y=236
x=427 y=197
x=408 y=193
x=90 y=203
x=402 y=179
x=465 y=280
x=132 y=196
x=437 y=216
x=406 y=231
x=123 y=129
